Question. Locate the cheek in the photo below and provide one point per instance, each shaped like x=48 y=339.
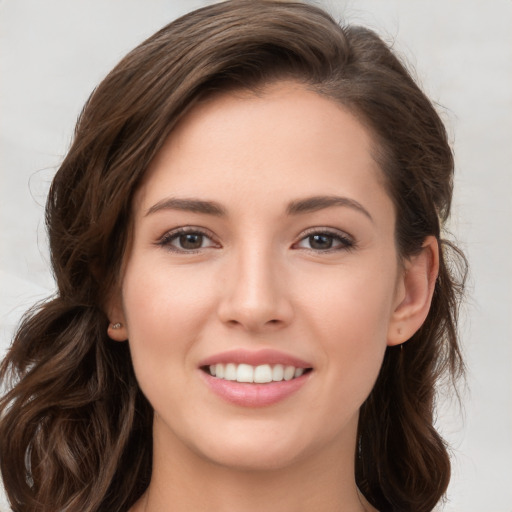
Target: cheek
x=353 y=305
x=165 y=312
x=350 y=318
x=163 y=297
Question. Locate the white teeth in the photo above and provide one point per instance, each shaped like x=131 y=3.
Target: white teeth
x=289 y=372
x=245 y=373
x=278 y=372
x=259 y=374
x=230 y=372
x=262 y=374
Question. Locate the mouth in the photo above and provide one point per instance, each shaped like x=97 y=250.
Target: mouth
x=260 y=374
x=259 y=378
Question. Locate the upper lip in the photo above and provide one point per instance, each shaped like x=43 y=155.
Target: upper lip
x=255 y=358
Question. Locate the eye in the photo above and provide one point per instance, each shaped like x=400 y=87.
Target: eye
x=325 y=241
x=186 y=240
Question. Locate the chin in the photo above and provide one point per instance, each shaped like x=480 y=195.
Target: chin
x=253 y=459
x=258 y=450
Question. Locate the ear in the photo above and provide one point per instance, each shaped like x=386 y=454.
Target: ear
x=414 y=292
x=117 y=329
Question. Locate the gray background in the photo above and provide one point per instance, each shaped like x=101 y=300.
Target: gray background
x=54 y=52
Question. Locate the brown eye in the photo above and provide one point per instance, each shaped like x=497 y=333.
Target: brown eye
x=320 y=242
x=186 y=241
x=190 y=241
x=324 y=241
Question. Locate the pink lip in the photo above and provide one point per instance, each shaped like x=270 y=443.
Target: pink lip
x=255 y=358
x=254 y=395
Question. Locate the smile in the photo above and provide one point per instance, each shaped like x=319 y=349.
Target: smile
x=261 y=374
x=255 y=378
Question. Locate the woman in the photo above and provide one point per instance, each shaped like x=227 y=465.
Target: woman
x=253 y=212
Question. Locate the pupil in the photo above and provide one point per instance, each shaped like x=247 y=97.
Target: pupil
x=191 y=241
x=320 y=241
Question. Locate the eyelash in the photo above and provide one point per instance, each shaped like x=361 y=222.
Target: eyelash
x=168 y=238
x=345 y=242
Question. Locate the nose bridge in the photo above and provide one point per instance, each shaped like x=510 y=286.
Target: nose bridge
x=255 y=296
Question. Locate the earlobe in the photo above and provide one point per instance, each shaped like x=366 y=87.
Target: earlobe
x=417 y=288
x=116 y=329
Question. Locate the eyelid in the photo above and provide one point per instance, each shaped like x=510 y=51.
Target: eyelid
x=347 y=241
x=166 y=239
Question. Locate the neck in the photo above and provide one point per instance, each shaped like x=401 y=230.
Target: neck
x=186 y=481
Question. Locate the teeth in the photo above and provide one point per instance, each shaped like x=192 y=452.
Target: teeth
x=230 y=372
x=259 y=374
x=289 y=372
x=245 y=373
x=262 y=374
x=278 y=372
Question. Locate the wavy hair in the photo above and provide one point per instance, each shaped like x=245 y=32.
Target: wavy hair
x=75 y=429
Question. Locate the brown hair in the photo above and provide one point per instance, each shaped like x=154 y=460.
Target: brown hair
x=75 y=429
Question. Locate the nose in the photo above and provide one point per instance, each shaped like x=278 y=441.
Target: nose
x=255 y=296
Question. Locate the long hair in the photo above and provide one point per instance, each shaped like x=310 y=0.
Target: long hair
x=75 y=429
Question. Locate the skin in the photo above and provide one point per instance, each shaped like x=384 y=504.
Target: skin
x=259 y=281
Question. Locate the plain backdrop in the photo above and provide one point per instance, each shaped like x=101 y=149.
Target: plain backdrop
x=54 y=52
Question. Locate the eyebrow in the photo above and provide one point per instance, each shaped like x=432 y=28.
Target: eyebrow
x=316 y=203
x=189 y=205
x=298 y=207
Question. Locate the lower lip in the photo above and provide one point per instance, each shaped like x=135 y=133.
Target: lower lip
x=254 y=395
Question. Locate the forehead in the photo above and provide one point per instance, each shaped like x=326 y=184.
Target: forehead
x=283 y=138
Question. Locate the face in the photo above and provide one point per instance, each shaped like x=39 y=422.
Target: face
x=263 y=250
